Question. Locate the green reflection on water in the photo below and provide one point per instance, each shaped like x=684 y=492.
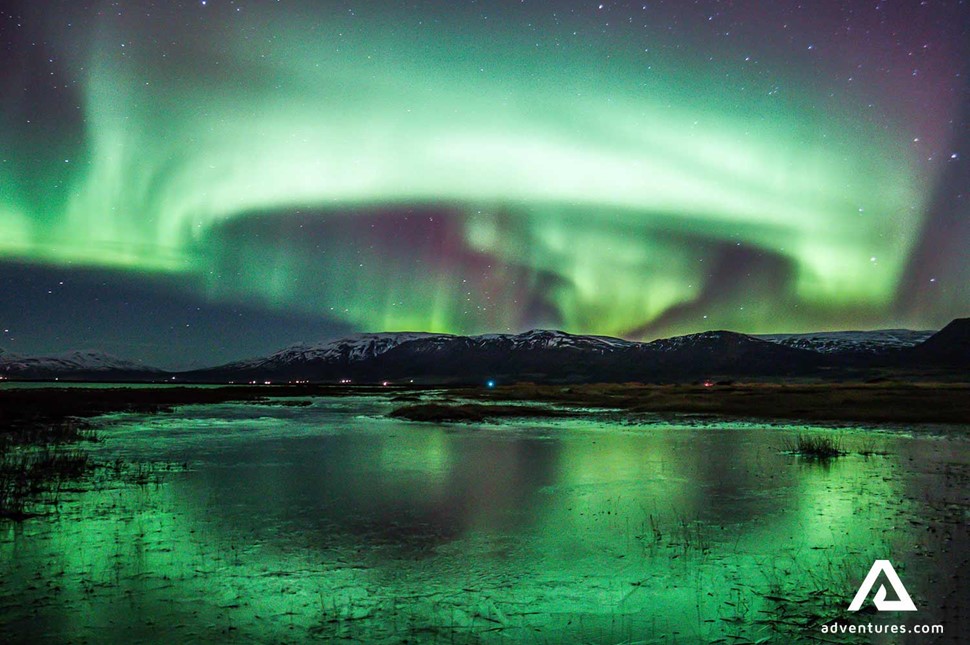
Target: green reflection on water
x=329 y=521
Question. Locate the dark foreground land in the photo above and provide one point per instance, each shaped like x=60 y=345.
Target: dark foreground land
x=887 y=402
x=50 y=415
x=43 y=430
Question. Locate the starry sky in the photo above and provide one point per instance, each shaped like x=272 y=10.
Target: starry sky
x=186 y=183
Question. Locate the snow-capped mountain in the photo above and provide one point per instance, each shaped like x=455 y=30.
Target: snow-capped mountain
x=551 y=338
x=870 y=342
x=540 y=355
x=708 y=339
x=364 y=347
x=68 y=364
x=358 y=347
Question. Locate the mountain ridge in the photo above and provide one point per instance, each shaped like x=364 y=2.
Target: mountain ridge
x=538 y=354
x=73 y=362
x=874 y=341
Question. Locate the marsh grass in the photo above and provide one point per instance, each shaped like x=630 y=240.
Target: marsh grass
x=41 y=461
x=869 y=447
x=680 y=533
x=138 y=473
x=815 y=446
x=28 y=476
x=38 y=460
x=798 y=596
x=64 y=431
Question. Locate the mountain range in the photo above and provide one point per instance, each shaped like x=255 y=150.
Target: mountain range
x=77 y=365
x=542 y=356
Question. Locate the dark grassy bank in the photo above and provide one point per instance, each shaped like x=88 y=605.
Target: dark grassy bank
x=473 y=412
x=47 y=415
x=884 y=402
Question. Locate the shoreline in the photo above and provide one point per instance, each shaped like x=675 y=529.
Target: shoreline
x=847 y=402
x=58 y=412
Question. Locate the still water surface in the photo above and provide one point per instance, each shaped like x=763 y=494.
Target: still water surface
x=332 y=521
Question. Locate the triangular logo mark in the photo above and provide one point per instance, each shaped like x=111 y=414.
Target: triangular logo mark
x=905 y=603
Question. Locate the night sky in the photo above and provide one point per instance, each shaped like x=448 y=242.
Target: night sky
x=192 y=182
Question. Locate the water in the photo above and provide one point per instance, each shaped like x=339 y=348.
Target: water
x=334 y=522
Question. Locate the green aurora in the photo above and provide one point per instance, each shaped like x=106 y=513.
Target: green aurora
x=595 y=186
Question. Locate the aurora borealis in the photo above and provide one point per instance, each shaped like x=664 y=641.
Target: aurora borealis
x=170 y=169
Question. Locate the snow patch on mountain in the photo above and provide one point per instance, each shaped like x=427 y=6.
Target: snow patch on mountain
x=703 y=339
x=362 y=347
x=67 y=362
x=550 y=338
x=350 y=349
x=851 y=341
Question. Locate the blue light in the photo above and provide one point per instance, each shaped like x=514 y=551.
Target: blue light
x=490 y=383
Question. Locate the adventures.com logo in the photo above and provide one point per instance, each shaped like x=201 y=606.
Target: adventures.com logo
x=885 y=567
x=903 y=602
